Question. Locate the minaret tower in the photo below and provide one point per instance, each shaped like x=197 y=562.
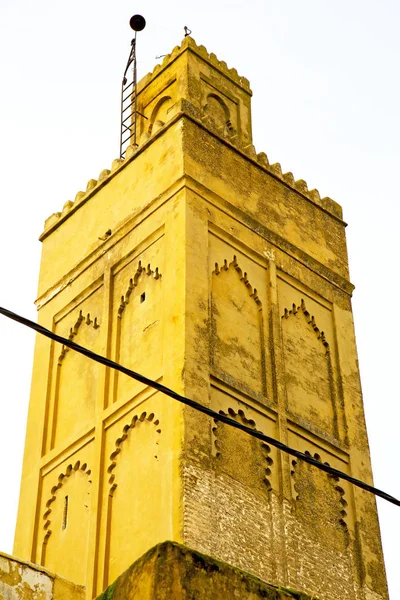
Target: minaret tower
x=197 y=263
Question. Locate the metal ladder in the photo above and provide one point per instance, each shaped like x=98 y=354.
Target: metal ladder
x=128 y=104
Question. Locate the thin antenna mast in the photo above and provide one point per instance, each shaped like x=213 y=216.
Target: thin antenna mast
x=129 y=110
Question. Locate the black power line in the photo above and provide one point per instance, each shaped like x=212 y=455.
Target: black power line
x=197 y=406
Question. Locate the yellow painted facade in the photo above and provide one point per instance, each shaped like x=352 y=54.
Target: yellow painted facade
x=197 y=263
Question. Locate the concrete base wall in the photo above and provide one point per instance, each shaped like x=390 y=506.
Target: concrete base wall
x=170 y=570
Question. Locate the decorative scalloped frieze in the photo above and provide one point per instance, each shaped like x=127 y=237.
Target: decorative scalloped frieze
x=299 y=185
x=135 y=421
x=266 y=450
x=276 y=169
x=334 y=481
x=78 y=466
x=74 y=330
x=133 y=282
x=310 y=320
x=243 y=277
x=91 y=184
x=289 y=178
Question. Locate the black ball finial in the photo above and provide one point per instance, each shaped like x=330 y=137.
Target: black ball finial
x=137 y=22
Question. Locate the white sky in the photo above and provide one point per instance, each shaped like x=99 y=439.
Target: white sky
x=325 y=77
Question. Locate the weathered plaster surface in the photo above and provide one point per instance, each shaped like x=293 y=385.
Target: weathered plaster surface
x=25 y=581
x=170 y=570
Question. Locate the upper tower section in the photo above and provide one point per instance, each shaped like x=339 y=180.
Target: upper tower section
x=194 y=122
x=218 y=94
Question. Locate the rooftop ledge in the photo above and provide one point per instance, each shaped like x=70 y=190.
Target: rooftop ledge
x=184 y=108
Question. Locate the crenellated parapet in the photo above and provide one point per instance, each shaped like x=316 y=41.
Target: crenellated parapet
x=93 y=185
x=192 y=82
x=189 y=43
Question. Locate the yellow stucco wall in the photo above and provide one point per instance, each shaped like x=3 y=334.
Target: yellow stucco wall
x=228 y=282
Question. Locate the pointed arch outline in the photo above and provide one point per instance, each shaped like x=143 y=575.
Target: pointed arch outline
x=132 y=284
x=253 y=294
x=320 y=336
x=135 y=421
x=242 y=276
x=134 y=281
x=239 y=415
x=334 y=483
x=310 y=319
x=73 y=332
x=227 y=114
x=221 y=103
x=62 y=478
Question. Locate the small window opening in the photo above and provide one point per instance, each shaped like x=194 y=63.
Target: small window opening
x=65 y=513
x=142 y=297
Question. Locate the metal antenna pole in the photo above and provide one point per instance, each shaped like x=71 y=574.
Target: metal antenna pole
x=129 y=110
x=134 y=90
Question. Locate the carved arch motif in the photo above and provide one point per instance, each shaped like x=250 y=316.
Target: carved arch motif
x=237 y=330
x=158 y=111
x=265 y=449
x=133 y=282
x=223 y=105
x=334 y=482
x=310 y=320
x=217 y=113
x=322 y=523
x=243 y=277
x=309 y=370
x=73 y=332
x=62 y=478
x=61 y=365
x=135 y=421
x=142 y=273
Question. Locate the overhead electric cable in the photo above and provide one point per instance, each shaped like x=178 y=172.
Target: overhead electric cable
x=197 y=406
